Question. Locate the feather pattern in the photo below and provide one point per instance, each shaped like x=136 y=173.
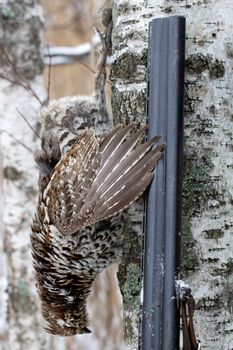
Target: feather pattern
x=95 y=180
x=84 y=181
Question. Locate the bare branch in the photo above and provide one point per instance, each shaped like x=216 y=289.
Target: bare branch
x=17 y=79
x=30 y=126
x=16 y=140
x=49 y=74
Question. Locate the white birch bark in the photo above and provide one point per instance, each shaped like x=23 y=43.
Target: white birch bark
x=208 y=153
x=21 y=324
x=20 y=30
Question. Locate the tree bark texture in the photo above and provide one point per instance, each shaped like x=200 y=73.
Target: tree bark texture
x=20 y=30
x=21 y=324
x=207 y=227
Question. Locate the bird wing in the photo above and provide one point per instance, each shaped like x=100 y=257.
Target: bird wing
x=96 y=179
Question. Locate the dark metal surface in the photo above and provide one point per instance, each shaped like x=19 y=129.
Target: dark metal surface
x=160 y=315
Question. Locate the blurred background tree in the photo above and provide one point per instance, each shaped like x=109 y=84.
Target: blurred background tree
x=23 y=33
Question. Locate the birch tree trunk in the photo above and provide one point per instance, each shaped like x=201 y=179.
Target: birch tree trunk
x=20 y=30
x=208 y=155
x=21 y=324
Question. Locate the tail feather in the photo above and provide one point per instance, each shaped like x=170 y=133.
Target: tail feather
x=129 y=162
x=146 y=164
x=114 y=144
x=107 y=173
x=108 y=137
x=97 y=179
x=125 y=201
x=126 y=190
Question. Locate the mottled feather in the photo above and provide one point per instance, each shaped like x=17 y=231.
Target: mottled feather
x=96 y=180
x=84 y=181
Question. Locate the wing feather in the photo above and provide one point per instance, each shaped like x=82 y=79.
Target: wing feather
x=71 y=180
x=96 y=179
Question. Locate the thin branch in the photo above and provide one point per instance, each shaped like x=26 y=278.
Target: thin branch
x=30 y=126
x=49 y=74
x=87 y=66
x=91 y=69
x=18 y=79
x=16 y=140
x=61 y=60
x=67 y=55
x=25 y=86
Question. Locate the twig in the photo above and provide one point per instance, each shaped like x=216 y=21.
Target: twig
x=91 y=69
x=30 y=126
x=16 y=140
x=59 y=55
x=18 y=79
x=87 y=66
x=49 y=74
x=25 y=86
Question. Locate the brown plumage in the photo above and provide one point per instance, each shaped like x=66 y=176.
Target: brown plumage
x=95 y=180
x=86 y=179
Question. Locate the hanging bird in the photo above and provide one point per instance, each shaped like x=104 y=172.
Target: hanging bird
x=86 y=181
x=93 y=181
